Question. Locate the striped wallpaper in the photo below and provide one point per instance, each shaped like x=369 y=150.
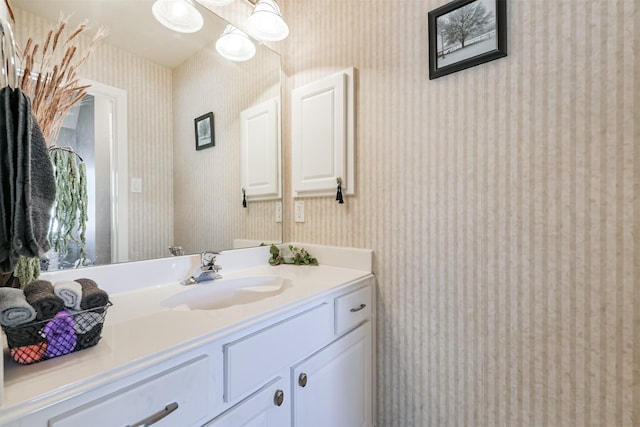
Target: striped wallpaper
x=502 y=203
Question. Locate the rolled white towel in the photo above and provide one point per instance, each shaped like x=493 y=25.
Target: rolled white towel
x=70 y=292
x=14 y=308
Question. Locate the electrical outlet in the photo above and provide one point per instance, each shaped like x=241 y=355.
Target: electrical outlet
x=136 y=185
x=278 y=211
x=299 y=208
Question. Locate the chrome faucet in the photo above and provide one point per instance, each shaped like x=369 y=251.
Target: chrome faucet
x=207 y=271
x=176 y=250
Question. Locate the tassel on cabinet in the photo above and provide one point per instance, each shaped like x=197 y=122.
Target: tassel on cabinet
x=244 y=198
x=339 y=194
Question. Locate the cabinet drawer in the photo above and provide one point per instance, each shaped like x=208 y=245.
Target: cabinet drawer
x=352 y=309
x=253 y=360
x=186 y=385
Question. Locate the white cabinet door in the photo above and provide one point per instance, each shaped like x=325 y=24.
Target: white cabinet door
x=260 y=145
x=323 y=136
x=269 y=407
x=333 y=387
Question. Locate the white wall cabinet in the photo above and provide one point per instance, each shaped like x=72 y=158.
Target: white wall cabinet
x=260 y=148
x=323 y=133
x=250 y=378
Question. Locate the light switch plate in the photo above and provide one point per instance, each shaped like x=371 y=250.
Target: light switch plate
x=136 y=185
x=278 y=211
x=299 y=211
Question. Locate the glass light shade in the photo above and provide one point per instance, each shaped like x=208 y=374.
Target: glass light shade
x=235 y=45
x=266 y=23
x=178 y=15
x=215 y=2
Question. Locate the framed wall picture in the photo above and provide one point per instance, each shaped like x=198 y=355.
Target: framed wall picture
x=205 y=135
x=466 y=33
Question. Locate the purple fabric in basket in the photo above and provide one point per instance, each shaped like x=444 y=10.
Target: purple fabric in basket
x=60 y=335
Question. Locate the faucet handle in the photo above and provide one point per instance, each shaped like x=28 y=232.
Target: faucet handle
x=208 y=258
x=176 y=250
x=211 y=267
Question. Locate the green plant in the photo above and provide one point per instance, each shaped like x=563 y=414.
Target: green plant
x=70 y=207
x=300 y=257
x=27 y=270
x=275 y=259
x=51 y=79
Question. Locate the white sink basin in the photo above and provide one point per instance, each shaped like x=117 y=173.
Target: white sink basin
x=221 y=293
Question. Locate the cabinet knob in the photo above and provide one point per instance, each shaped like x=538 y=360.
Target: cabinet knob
x=278 y=398
x=302 y=380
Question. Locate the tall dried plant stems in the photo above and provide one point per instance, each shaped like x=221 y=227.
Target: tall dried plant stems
x=7 y=3
x=51 y=76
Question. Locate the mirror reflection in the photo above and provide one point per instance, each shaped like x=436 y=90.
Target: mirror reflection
x=152 y=187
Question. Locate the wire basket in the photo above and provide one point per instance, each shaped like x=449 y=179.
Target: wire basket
x=63 y=334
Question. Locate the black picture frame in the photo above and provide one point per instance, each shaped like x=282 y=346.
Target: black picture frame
x=447 y=41
x=204 y=131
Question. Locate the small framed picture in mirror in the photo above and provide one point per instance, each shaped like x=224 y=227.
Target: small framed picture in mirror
x=205 y=135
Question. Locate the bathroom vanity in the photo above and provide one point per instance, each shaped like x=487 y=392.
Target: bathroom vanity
x=268 y=346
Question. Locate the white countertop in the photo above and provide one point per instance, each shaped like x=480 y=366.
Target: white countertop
x=138 y=329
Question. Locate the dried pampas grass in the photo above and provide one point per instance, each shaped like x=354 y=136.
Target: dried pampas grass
x=50 y=75
x=7 y=4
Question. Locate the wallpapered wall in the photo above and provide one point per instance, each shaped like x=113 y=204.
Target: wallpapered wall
x=501 y=203
x=149 y=127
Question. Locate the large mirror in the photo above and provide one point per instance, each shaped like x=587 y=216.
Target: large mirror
x=164 y=192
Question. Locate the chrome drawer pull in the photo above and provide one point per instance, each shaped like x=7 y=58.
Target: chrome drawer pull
x=278 y=398
x=157 y=416
x=302 y=380
x=353 y=310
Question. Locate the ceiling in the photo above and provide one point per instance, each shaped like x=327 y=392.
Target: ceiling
x=132 y=26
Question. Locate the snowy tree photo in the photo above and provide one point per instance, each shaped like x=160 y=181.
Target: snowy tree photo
x=466 y=32
x=465 y=23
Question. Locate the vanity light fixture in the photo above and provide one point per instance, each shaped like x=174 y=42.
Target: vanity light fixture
x=178 y=15
x=235 y=45
x=266 y=22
